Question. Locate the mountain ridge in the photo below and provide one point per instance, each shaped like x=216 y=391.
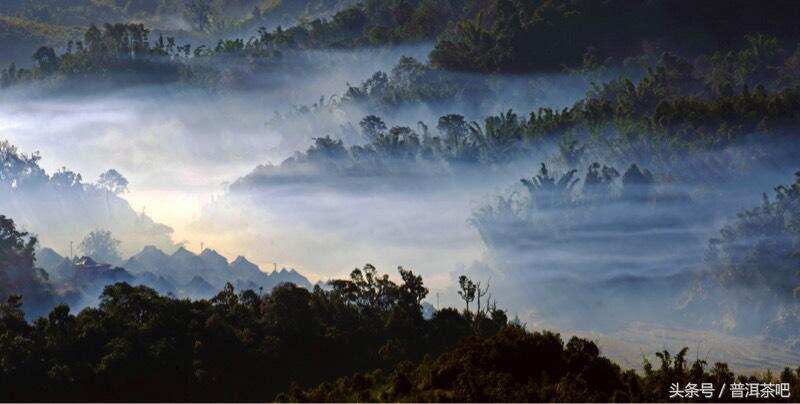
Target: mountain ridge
x=182 y=273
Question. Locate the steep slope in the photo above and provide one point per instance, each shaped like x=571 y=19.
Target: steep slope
x=187 y=265
x=290 y=276
x=149 y=259
x=52 y=263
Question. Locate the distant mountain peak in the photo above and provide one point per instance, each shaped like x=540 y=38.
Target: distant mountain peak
x=213 y=257
x=183 y=252
x=241 y=260
x=152 y=252
x=208 y=251
x=48 y=259
x=210 y=267
x=48 y=251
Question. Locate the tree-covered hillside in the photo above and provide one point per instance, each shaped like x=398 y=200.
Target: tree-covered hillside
x=670 y=119
x=246 y=346
x=64 y=205
x=142 y=346
x=600 y=163
x=500 y=36
x=515 y=365
x=26 y=25
x=523 y=36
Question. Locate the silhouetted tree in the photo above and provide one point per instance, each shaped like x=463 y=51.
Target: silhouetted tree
x=102 y=246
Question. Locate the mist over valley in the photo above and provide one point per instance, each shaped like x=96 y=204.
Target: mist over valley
x=262 y=182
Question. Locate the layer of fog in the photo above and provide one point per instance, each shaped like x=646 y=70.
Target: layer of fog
x=602 y=267
x=179 y=145
x=598 y=264
x=329 y=228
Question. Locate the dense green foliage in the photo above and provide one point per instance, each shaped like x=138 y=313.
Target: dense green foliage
x=122 y=51
x=493 y=36
x=488 y=36
x=665 y=120
x=515 y=365
x=413 y=83
x=522 y=36
x=375 y=23
x=199 y=17
x=369 y=23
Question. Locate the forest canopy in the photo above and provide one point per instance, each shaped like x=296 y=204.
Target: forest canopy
x=183 y=349
x=604 y=169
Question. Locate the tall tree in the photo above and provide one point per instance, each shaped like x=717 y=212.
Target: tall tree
x=113 y=182
x=101 y=246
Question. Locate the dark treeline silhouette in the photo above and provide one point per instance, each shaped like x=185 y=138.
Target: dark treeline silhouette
x=138 y=345
x=569 y=202
x=523 y=36
x=56 y=21
x=124 y=53
x=686 y=101
x=18 y=272
x=516 y=365
x=496 y=35
x=119 y=51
